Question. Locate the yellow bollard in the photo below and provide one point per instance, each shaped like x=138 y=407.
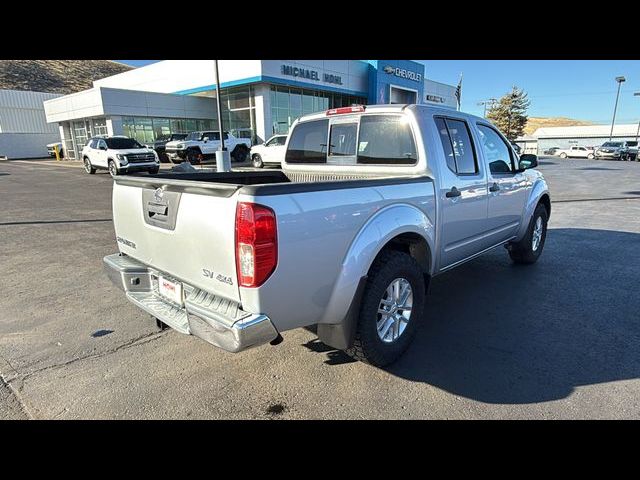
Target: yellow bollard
x=55 y=149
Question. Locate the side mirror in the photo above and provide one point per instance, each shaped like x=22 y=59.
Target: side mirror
x=528 y=160
x=102 y=147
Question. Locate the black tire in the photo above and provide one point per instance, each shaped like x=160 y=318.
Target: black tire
x=368 y=347
x=113 y=169
x=523 y=251
x=257 y=161
x=88 y=167
x=192 y=157
x=563 y=155
x=240 y=153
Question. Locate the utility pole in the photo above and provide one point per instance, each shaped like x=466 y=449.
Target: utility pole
x=484 y=103
x=620 y=81
x=223 y=162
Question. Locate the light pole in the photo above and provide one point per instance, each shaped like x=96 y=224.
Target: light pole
x=637 y=94
x=223 y=162
x=620 y=80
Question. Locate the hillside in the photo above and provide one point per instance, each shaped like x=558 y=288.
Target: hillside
x=56 y=76
x=537 y=122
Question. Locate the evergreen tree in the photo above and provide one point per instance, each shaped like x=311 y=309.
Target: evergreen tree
x=509 y=113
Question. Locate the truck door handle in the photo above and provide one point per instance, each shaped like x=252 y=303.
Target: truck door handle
x=454 y=192
x=494 y=188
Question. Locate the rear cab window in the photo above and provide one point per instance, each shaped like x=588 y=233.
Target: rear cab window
x=375 y=139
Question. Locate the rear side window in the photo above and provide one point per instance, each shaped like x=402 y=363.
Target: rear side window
x=308 y=143
x=386 y=140
x=446 y=143
x=457 y=145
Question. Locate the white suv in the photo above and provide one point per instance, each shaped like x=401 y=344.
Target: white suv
x=119 y=155
x=270 y=152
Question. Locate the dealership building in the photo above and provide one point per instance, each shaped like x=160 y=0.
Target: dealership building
x=259 y=97
x=545 y=138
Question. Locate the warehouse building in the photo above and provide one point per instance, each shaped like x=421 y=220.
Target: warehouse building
x=24 y=131
x=259 y=97
x=545 y=138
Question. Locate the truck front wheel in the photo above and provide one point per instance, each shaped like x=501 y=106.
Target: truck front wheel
x=528 y=250
x=257 y=161
x=391 y=308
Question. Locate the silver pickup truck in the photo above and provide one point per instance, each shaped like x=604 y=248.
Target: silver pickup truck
x=372 y=203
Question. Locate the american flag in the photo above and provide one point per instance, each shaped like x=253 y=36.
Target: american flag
x=459 y=91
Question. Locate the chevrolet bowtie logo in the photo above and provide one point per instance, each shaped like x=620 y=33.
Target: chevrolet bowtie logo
x=389 y=69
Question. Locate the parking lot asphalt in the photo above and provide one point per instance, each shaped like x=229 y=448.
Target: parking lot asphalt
x=558 y=339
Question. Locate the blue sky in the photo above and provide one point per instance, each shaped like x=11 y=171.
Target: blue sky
x=580 y=89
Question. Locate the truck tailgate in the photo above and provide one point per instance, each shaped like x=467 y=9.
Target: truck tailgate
x=187 y=233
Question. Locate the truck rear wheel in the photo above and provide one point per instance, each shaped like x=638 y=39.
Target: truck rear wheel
x=391 y=308
x=528 y=250
x=88 y=167
x=193 y=157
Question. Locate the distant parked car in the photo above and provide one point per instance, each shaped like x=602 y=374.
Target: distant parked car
x=119 y=155
x=551 y=151
x=51 y=149
x=575 y=152
x=270 y=152
x=161 y=142
x=621 y=150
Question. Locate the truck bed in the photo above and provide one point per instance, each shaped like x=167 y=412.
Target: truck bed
x=261 y=183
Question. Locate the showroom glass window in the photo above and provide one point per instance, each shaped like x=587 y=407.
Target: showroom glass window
x=496 y=151
x=290 y=103
x=100 y=126
x=239 y=112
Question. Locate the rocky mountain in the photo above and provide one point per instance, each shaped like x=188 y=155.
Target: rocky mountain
x=56 y=76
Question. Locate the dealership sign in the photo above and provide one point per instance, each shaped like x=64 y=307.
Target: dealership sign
x=434 y=98
x=310 y=74
x=403 y=73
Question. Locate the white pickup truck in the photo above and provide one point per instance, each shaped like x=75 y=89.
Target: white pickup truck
x=371 y=204
x=201 y=147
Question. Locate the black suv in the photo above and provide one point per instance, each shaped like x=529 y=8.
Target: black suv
x=161 y=141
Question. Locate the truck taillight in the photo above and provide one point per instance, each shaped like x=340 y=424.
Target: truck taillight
x=342 y=110
x=256 y=243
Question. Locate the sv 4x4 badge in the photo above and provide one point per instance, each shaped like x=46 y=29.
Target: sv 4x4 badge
x=219 y=277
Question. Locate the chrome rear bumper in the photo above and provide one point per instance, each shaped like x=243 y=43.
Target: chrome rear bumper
x=216 y=320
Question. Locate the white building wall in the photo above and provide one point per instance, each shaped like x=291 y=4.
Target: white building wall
x=262 y=101
x=26 y=145
x=170 y=76
x=24 y=131
x=23 y=112
x=87 y=103
x=118 y=102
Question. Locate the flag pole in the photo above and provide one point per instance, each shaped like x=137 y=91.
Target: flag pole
x=459 y=91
